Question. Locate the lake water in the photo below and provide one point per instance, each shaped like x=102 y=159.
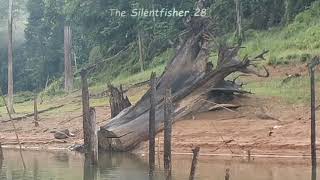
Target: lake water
x=70 y=166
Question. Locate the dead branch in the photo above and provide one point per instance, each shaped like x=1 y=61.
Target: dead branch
x=14 y=127
x=125 y=90
x=31 y=114
x=289 y=78
x=231 y=118
x=36 y=142
x=265 y=116
x=261 y=56
x=251 y=71
x=223 y=106
x=102 y=61
x=68 y=120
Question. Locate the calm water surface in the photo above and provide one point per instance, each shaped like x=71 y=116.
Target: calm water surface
x=70 y=166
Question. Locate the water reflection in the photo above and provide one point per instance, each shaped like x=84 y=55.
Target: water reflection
x=35 y=169
x=90 y=171
x=113 y=166
x=124 y=166
x=62 y=157
x=1 y=162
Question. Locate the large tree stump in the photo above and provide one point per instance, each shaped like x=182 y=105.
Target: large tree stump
x=118 y=101
x=193 y=88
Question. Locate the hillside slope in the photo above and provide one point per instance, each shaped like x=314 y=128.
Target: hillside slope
x=296 y=42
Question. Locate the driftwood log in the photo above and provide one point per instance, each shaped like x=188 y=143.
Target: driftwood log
x=191 y=83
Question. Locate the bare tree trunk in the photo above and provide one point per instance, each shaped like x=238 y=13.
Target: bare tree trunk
x=35 y=108
x=68 y=74
x=239 y=27
x=74 y=55
x=47 y=82
x=287 y=13
x=141 y=54
x=85 y=110
x=10 y=59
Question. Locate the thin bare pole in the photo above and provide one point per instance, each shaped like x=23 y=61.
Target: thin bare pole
x=312 y=65
x=85 y=109
x=93 y=146
x=1 y=153
x=10 y=59
x=239 y=28
x=1 y=158
x=152 y=124
x=195 y=152
x=158 y=153
x=249 y=155
x=167 y=133
x=14 y=127
x=140 y=52
x=227 y=176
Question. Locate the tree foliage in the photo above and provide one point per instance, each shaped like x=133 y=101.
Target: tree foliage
x=98 y=35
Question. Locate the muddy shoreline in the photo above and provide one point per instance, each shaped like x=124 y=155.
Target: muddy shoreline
x=216 y=133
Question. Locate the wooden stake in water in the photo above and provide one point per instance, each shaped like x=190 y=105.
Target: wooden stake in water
x=227 y=176
x=85 y=110
x=167 y=133
x=195 y=152
x=1 y=158
x=312 y=65
x=93 y=144
x=152 y=123
x=1 y=153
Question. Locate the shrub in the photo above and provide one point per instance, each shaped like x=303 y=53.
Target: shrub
x=272 y=60
x=305 y=57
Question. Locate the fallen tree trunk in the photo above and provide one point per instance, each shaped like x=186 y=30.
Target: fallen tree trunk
x=190 y=81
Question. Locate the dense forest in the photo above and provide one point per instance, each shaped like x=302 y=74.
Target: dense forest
x=138 y=43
